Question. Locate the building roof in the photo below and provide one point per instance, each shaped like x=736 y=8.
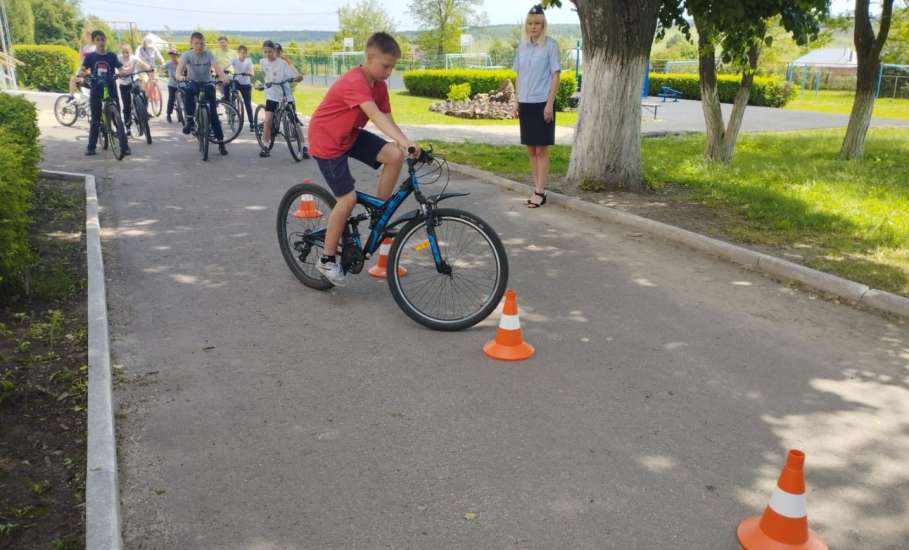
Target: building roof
x=828 y=57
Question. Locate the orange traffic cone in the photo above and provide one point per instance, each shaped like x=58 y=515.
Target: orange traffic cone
x=784 y=525
x=509 y=344
x=380 y=270
x=306 y=210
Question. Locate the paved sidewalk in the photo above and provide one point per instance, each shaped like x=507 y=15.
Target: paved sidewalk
x=258 y=414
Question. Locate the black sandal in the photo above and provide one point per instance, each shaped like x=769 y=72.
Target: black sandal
x=531 y=204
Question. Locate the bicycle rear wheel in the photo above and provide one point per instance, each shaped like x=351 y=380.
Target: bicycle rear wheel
x=231 y=123
x=66 y=110
x=293 y=135
x=301 y=255
x=116 y=134
x=202 y=130
x=473 y=288
x=238 y=105
x=260 y=127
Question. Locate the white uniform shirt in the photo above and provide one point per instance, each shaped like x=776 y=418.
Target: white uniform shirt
x=129 y=66
x=276 y=71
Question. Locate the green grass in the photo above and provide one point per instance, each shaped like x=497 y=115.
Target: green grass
x=782 y=190
x=408 y=109
x=841 y=103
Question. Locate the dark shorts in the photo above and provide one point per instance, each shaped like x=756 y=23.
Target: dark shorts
x=534 y=128
x=337 y=171
x=271 y=106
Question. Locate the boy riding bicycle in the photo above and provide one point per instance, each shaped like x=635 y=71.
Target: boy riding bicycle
x=102 y=65
x=196 y=65
x=336 y=133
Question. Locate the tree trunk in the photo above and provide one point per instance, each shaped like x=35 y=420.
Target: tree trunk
x=720 y=141
x=617 y=38
x=868 y=49
x=710 y=98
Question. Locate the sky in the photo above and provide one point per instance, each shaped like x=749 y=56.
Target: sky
x=293 y=14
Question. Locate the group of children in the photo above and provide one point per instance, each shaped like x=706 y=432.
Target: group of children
x=335 y=129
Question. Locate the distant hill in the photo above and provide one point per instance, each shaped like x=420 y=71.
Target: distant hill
x=279 y=36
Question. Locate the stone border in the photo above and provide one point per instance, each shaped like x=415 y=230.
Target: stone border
x=831 y=284
x=102 y=494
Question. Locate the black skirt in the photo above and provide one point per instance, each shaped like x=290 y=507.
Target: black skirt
x=534 y=128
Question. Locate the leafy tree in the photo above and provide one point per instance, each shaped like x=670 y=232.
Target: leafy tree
x=442 y=21
x=740 y=27
x=360 y=21
x=21 y=21
x=896 y=50
x=95 y=23
x=868 y=47
x=617 y=38
x=57 y=22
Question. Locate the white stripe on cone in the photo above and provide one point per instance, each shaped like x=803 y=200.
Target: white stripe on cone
x=306 y=198
x=384 y=249
x=788 y=505
x=510 y=322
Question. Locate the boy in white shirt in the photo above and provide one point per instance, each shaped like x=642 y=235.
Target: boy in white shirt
x=276 y=70
x=242 y=67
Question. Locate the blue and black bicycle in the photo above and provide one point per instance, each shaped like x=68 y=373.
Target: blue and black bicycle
x=447 y=268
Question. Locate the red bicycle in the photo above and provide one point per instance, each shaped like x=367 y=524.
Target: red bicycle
x=155 y=102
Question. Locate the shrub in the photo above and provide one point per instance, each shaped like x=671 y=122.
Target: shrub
x=766 y=92
x=19 y=158
x=46 y=68
x=459 y=92
x=437 y=82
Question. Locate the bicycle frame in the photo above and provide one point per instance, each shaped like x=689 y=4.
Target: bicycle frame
x=380 y=212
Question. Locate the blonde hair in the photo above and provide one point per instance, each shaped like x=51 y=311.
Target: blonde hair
x=128 y=48
x=526 y=36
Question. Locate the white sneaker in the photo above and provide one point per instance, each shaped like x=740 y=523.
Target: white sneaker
x=332 y=271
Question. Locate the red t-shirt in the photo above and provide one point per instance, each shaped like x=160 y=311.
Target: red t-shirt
x=335 y=125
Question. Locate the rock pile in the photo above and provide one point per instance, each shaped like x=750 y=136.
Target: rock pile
x=499 y=105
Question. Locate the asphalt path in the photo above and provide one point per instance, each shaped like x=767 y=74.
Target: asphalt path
x=255 y=413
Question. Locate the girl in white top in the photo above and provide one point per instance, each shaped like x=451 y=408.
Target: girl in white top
x=276 y=70
x=242 y=67
x=131 y=64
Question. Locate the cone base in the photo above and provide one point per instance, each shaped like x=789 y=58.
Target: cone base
x=752 y=538
x=508 y=353
x=382 y=273
x=307 y=215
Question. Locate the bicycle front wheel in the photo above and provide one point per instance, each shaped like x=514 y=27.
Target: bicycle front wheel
x=202 y=131
x=141 y=116
x=238 y=105
x=178 y=106
x=260 y=128
x=231 y=123
x=115 y=131
x=66 y=110
x=155 y=100
x=477 y=265
x=293 y=135
x=301 y=254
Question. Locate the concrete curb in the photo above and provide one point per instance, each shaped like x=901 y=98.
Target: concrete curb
x=102 y=494
x=825 y=282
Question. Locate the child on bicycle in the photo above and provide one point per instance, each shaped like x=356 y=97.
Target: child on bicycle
x=196 y=66
x=171 y=68
x=242 y=66
x=131 y=64
x=276 y=70
x=336 y=133
x=102 y=65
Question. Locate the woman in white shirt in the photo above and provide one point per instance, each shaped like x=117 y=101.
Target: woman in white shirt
x=243 y=69
x=131 y=64
x=276 y=70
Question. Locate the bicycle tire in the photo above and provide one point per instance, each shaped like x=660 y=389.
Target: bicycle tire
x=141 y=118
x=203 y=130
x=489 y=302
x=116 y=131
x=62 y=108
x=231 y=123
x=285 y=208
x=155 y=101
x=293 y=136
x=178 y=106
x=241 y=109
x=260 y=126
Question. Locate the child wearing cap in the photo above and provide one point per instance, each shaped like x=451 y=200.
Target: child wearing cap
x=171 y=68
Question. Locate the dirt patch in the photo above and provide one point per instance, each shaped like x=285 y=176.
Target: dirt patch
x=43 y=377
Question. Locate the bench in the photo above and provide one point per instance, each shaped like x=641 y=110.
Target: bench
x=667 y=92
x=652 y=107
